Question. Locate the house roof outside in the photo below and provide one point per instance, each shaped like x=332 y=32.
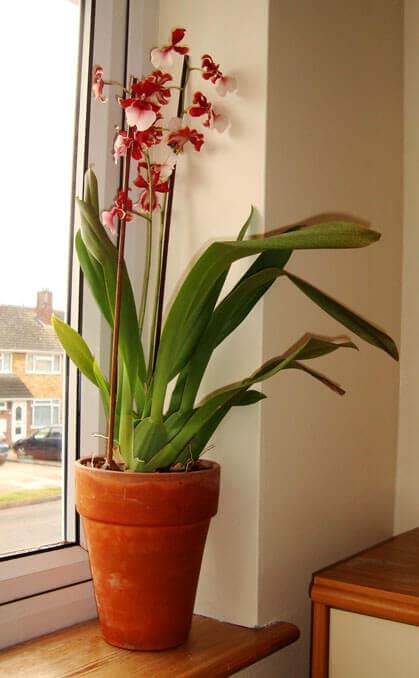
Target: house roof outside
x=21 y=330
x=12 y=388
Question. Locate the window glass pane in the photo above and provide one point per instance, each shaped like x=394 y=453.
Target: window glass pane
x=43 y=364
x=42 y=414
x=39 y=44
x=5 y=362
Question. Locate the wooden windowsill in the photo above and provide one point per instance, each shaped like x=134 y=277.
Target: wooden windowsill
x=214 y=650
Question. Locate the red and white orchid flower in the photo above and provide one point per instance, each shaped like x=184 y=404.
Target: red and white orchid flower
x=138 y=113
x=215 y=118
x=155 y=84
x=147 y=199
x=167 y=167
x=200 y=106
x=141 y=110
x=162 y=57
x=98 y=84
x=226 y=84
x=122 y=209
x=210 y=70
x=179 y=137
x=136 y=143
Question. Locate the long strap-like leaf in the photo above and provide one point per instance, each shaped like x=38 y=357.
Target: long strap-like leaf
x=78 y=351
x=353 y=322
x=226 y=318
x=197 y=445
x=213 y=263
x=310 y=347
x=100 y=247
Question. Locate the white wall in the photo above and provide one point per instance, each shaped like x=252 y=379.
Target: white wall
x=212 y=200
x=316 y=481
x=407 y=496
x=335 y=145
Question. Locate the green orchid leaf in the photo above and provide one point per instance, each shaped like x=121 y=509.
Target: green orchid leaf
x=320 y=377
x=353 y=322
x=103 y=385
x=149 y=437
x=175 y=422
x=126 y=420
x=225 y=396
x=102 y=249
x=75 y=347
x=213 y=263
x=248 y=398
x=318 y=347
x=247 y=224
x=91 y=195
x=178 y=391
x=195 y=326
x=197 y=445
x=93 y=273
x=228 y=315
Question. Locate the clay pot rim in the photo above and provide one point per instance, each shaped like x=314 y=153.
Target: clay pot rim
x=213 y=466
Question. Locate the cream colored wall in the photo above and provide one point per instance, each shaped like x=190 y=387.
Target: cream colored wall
x=213 y=195
x=335 y=145
x=332 y=92
x=365 y=647
x=407 y=495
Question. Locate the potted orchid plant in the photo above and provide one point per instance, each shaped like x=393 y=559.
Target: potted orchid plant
x=147 y=503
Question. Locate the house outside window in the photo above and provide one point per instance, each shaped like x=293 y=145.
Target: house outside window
x=43 y=363
x=31 y=378
x=5 y=362
x=45 y=413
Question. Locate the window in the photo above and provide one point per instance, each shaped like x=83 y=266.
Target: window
x=45 y=413
x=43 y=363
x=3 y=405
x=5 y=363
x=45 y=581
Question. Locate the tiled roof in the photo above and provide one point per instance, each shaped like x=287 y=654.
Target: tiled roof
x=11 y=387
x=20 y=330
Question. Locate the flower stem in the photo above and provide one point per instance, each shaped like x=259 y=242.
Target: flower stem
x=168 y=218
x=157 y=290
x=118 y=84
x=117 y=318
x=149 y=243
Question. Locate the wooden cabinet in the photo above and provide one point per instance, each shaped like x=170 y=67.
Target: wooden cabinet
x=381 y=583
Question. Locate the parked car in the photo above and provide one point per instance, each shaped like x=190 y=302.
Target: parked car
x=45 y=444
x=4 y=449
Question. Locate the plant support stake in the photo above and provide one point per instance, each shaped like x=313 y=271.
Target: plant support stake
x=117 y=315
x=166 y=238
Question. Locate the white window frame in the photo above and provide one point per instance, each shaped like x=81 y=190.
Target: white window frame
x=9 y=354
x=34 y=358
x=43 y=402
x=3 y=405
x=51 y=588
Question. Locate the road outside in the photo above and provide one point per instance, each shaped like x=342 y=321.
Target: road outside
x=30 y=506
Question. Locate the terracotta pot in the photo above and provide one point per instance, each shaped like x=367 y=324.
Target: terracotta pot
x=146 y=534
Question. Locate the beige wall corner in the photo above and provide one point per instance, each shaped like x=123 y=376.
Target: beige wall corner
x=407 y=495
x=334 y=145
x=315 y=482
x=213 y=195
